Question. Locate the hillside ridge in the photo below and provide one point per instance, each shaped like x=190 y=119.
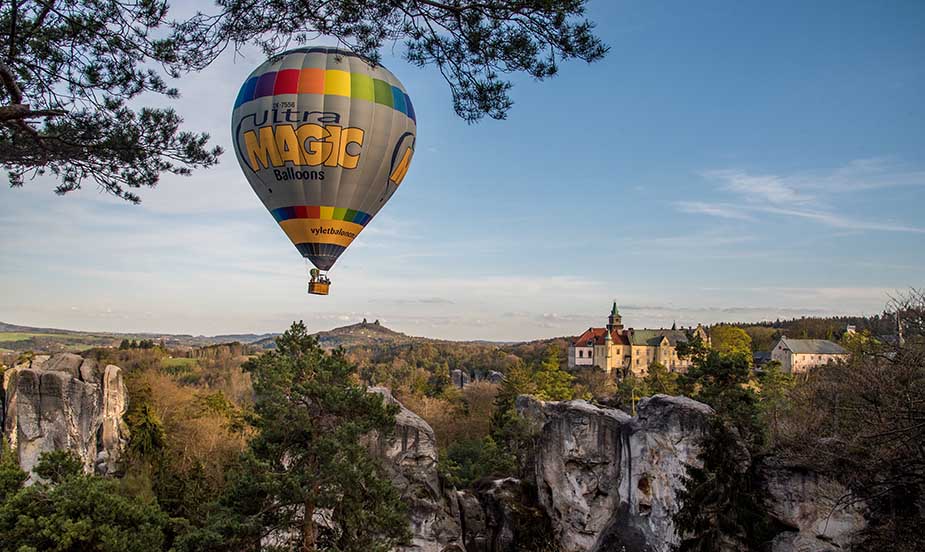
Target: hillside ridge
x=18 y=337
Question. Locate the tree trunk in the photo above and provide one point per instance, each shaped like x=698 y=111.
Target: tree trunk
x=309 y=531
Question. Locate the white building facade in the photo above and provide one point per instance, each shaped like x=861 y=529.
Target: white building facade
x=796 y=356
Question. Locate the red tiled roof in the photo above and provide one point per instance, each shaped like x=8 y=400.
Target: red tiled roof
x=596 y=335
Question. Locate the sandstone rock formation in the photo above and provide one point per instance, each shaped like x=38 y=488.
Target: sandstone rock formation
x=494 y=377
x=502 y=516
x=579 y=456
x=410 y=458
x=822 y=514
x=610 y=481
x=65 y=402
x=460 y=378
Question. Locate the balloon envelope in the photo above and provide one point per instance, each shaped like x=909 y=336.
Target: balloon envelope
x=324 y=139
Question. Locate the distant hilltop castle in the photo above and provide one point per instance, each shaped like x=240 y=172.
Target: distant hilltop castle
x=630 y=351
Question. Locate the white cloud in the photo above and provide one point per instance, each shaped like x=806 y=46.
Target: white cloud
x=760 y=188
x=809 y=196
x=839 y=221
x=695 y=243
x=718 y=210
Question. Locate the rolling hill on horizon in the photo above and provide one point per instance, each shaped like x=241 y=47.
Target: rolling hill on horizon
x=15 y=337
x=374 y=335
x=22 y=338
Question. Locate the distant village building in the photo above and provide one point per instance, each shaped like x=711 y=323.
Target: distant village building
x=628 y=350
x=796 y=356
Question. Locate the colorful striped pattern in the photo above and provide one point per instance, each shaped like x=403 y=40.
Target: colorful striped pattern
x=330 y=82
x=321 y=213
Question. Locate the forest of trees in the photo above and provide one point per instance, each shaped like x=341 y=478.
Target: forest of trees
x=229 y=447
x=764 y=334
x=861 y=422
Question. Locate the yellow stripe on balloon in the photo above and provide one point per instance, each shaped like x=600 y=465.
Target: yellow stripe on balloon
x=402 y=168
x=337 y=232
x=337 y=83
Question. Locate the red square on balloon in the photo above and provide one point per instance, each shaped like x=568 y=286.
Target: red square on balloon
x=287 y=82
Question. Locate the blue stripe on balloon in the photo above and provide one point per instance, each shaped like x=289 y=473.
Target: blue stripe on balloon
x=246 y=93
x=409 y=111
x=283 y=213
x=398 y=100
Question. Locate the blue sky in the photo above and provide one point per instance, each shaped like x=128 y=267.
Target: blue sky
x=726 y=161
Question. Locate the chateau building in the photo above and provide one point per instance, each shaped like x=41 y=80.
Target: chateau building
x=799 y=355
x=627 y=350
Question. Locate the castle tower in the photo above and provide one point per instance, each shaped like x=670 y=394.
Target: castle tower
x=614 y=321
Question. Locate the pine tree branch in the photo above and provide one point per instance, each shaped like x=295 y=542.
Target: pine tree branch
x=22 y=111
x=9 y=81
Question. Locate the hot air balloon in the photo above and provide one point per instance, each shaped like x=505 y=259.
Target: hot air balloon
x=324 y=139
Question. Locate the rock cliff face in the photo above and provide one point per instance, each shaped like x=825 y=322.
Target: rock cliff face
x=821 y=513
x=65 y=402
x=460 y=378
x=409 y=455
x=493 y=517
x=578 y=461
x=501 y=516
x=610 y=481
x=605 y=480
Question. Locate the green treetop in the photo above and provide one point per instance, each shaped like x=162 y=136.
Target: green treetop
x=440 y=380
x=730 y=340
x=720 y=499
x=307 y=459
x=506 y=427
x=552 y=382
x=69 y=510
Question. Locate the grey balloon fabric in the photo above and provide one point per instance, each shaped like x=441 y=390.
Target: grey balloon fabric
x=324 y=139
